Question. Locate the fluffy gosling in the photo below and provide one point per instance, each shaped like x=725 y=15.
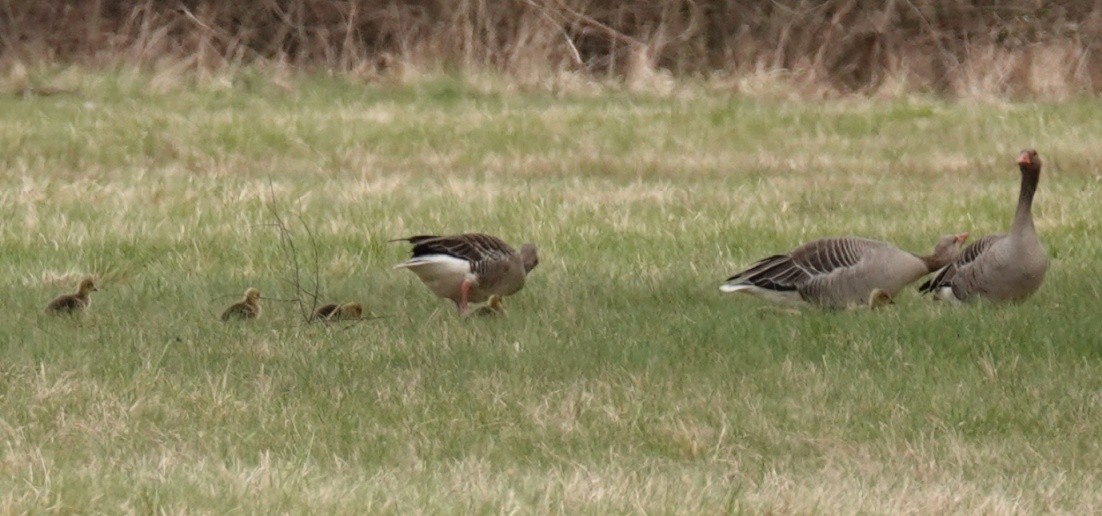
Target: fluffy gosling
x=879 y=299
x=348 y=311
x=335 y=312
x=73 y=303
x=248 y=308
x=323 y=312
x=493 y=308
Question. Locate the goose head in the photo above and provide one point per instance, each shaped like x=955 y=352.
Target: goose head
x=947 y=249
x=529 y=257
x=1029 y=161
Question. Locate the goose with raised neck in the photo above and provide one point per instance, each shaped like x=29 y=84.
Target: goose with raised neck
x=1002 y=267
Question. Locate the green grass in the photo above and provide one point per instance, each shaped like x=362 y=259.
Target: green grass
x=621 y=380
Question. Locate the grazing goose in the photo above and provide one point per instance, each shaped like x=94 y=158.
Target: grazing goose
x=1003 y=267
x=469 y=268
x=248 y=308
x=73 y=303
x=840 y=272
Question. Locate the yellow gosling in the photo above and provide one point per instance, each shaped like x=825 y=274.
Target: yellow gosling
x=248 y=308
x=879 y=299
x=348 y=311
x=73 y=303
x=324 y=312
x=494 y=307
x=334 y=312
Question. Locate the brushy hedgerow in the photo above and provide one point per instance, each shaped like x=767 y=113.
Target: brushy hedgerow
x=960 y=48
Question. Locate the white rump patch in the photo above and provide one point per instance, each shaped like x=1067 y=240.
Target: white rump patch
x=437 y=265
x=784 y=297
x=440 y=272
x=946 y=294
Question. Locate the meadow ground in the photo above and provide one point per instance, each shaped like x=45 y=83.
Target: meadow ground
x=622 y=380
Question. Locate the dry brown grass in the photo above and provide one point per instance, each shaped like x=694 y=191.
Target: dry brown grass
x=798 y=47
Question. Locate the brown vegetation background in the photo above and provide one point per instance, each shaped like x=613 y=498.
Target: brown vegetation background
x=953 y=47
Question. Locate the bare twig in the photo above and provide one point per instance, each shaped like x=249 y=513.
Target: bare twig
x=593 y=22
x=547 y=15
x=314 y=294
x=287 y=243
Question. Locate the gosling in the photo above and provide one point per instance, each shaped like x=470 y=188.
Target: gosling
x=348 y=311
x=324 y=311
x=73 y=303
x=493 y=308
x=248 y=308
x=879 y=299
x=335 y=312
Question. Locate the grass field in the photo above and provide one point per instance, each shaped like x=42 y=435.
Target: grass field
x=622 y=380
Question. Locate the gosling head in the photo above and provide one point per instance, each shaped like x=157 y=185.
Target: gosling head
x=252 y=295
x=87 y=285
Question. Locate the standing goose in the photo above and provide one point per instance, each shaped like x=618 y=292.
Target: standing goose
x=248 y=308
x=1002 y=267
x=73 y=303
x=469 y=268
x=840 y=272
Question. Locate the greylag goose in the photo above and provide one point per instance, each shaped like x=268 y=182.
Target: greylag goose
x=247 y=308
x=73 y=303
x=840 y=272
x=1002 y=267
x=469 y=268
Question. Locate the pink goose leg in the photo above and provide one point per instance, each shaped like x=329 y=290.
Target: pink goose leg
x=464 y=290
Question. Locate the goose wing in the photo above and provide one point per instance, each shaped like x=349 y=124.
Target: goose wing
x=786 y=272
x=944 y=276
x=471 y=247
x=826 y=255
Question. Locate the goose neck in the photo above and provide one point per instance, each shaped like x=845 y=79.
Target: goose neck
x=1023 y=216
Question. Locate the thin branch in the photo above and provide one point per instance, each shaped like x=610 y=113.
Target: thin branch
x=589 y=20
x=288 y=244
x=546 y=14
x=315 y=294
x=291 y=250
